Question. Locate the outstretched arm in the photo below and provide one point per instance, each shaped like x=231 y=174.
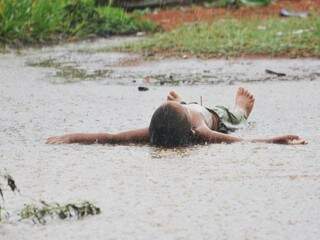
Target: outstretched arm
x=133 y=136
x=285 y=139
x=207 y=135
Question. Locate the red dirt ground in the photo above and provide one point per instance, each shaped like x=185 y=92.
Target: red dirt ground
x=169 y=19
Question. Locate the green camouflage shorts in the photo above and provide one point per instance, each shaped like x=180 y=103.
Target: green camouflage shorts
x=230 y=121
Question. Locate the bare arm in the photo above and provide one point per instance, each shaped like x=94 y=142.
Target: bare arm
x=285 y=139
x=207 y=135
x=133 y=136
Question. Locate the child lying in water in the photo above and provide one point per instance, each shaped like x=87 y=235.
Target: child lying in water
x=176 y=123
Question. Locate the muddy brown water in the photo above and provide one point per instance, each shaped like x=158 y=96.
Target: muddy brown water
x=235 y=191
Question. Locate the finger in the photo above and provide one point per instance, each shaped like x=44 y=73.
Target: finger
x=294 y=137
x=298 y=141
x=302 y=141
x=50 y=140
x=54 y=140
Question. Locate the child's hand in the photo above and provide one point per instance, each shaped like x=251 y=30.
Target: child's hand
x=60 y=139
x=289 y=139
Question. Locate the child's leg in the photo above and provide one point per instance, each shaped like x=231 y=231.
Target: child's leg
x=244 y=102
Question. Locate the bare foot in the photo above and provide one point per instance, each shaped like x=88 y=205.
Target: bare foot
x=244 y=101
x=173 y=96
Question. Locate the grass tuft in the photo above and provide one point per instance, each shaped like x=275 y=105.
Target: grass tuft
x=6 y=180
x=40 y=214
x=39 y=21
x=69 y=72
x=294 y=37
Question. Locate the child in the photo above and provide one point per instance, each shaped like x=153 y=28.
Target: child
x=176 y=123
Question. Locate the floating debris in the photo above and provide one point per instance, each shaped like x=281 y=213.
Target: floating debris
x=45 y=63
x=40 y=214
x=10 y=182
x=69 y=71
x=143 y=89
x=286 y=13
x=275 y=73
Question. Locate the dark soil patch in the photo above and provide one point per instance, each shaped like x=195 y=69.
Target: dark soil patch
x=169 y=19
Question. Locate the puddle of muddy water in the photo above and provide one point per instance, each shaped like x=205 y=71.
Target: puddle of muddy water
x=221 y=191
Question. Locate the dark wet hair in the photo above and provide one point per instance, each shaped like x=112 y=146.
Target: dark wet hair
x=170 y=127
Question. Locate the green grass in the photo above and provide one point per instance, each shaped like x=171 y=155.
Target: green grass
x=118 y=22
x=39 y=21
x=294 y=37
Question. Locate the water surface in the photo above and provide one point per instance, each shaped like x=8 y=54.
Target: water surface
x=235 y=191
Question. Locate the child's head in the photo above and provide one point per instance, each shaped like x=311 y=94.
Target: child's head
x=170 y=126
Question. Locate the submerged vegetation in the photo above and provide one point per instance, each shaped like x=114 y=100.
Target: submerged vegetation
x=69 y=71
x=39 y=21
x=40 y=214
x=294 y=37
x=6 y=181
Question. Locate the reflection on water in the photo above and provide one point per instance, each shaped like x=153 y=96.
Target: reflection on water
x=173 y=153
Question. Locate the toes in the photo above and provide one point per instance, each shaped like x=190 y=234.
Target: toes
x=244 y=92
x=174 y=94
x=170 y=95
x=248 y=94
x=240 y=90
x=169 y=98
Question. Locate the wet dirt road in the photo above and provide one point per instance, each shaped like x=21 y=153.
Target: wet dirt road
x=236 y=191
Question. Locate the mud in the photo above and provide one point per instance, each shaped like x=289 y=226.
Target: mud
x=236 y=191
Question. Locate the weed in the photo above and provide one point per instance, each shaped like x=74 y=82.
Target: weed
x=10 y=182
x=72 y=73
x=47 y=63
x=39 y=21
x=117 y=21
x=69 y=72
x=40 y=214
